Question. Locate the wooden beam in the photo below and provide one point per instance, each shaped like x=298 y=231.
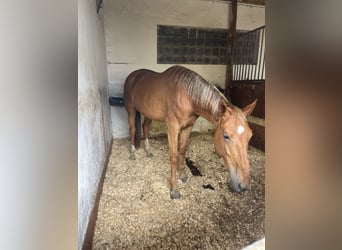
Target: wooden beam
x=255 y=2
x=230 y=45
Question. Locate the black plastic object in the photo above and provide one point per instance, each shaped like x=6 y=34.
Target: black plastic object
x=116 y=101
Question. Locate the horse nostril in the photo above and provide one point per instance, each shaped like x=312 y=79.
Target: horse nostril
x=240 y=188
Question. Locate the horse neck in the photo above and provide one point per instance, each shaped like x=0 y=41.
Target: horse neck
x=205 y=113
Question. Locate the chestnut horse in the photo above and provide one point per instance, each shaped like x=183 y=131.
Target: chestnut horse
x=178 y=96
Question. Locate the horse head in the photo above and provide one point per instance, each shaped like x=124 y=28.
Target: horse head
x=231 y=142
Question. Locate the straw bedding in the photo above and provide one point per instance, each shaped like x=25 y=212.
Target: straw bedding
x=136 y=212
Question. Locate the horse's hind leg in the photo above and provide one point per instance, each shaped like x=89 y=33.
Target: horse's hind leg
x=146 y=128
x=183 y=137
x=131 y=122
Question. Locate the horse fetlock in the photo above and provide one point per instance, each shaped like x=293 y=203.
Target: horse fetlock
x=175 y=195
x=183 y=178
x=132 y=152
x=149 y=154
x=148 y=148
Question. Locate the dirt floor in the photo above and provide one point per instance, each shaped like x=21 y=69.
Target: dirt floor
x=136 y=212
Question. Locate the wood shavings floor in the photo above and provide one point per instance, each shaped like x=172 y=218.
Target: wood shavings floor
x=136 y=212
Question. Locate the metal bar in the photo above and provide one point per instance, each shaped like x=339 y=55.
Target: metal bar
x=237 y=71
x=249 y=61
x=261 y=53
x=241 y=58
x=263 y=59
x=263 y=68
x=263 y=56
x=257 y=56
x=246 y=56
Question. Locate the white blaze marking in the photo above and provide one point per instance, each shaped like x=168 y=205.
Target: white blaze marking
x=240 y=130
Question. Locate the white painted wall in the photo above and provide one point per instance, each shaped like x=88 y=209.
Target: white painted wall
x=131 y=39
x=94 y=123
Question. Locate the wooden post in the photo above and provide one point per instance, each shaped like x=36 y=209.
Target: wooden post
x=230 y=44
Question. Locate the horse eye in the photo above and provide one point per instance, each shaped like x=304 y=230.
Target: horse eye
x=226 y=137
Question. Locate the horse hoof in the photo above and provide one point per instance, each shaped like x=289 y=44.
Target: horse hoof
x=149 y=155
x=132 y=157
x=175 y=195
x=184 y=178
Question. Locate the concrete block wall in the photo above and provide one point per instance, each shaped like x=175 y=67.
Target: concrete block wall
x=94 y=122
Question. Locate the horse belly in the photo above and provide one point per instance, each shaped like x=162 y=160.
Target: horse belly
x=153 y=110
x=151 y=105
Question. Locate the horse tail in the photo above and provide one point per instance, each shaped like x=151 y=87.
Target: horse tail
x=137 y=136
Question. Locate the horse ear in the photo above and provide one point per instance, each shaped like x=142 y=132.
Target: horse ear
x=247 y=110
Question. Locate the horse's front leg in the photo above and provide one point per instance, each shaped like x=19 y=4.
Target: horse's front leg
x=172 y=135
x=184 y=136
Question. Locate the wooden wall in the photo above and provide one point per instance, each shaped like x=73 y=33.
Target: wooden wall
x=243 y=93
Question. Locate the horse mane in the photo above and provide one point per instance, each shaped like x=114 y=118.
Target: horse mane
x=202 y=93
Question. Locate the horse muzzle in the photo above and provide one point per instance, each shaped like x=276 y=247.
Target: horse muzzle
x=238 y=185
x=239 y=188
